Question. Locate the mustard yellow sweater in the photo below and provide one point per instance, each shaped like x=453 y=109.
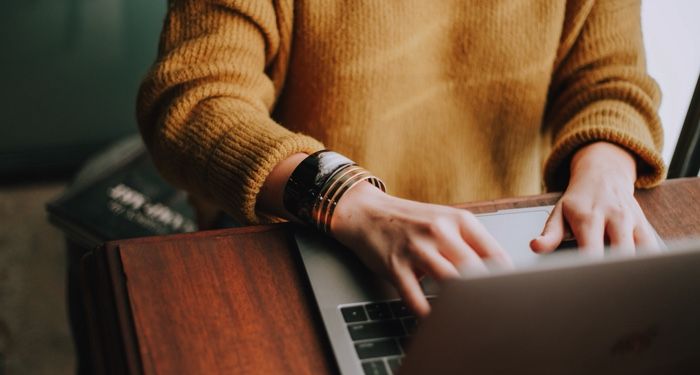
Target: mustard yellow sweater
x=448 y=100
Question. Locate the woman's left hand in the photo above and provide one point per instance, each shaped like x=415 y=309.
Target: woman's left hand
x=599 y=204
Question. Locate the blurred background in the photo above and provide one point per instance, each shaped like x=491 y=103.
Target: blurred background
x=70 y=71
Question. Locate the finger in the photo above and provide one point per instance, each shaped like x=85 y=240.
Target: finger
x=621 y=234
x=410 y=290
x=482 y=242
x=460 y=254
x=589 y=231
x=475 y=266
x=552 y=234
x=645 y=238
x=435 y=265
x=644 y=234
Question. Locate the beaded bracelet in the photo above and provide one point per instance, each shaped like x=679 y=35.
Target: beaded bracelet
x=318 y=183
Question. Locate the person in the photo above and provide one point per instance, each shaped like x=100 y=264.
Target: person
x=443 y=101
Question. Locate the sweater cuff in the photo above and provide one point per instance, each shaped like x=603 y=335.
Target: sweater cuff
x=613 y=122
x=240 y=164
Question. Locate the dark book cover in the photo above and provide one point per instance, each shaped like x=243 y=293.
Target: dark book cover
x=117 y=195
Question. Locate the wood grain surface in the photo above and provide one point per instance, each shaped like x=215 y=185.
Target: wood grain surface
x=223 y=302
x=237 y=301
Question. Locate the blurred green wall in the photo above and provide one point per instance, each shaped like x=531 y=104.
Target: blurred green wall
x=70 y=71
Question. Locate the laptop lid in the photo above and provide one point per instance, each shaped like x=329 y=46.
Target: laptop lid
x=638 y=315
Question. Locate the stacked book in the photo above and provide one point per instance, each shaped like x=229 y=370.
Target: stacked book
x=119 y=194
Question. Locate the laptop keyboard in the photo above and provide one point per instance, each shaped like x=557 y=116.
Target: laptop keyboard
x=380 y=332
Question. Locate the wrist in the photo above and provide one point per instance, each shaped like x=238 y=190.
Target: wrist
x=604 y=158
x=318 y=183
x=354 y=205
x=270 y=198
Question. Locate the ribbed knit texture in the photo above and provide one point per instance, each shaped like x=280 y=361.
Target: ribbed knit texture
x=446 y=101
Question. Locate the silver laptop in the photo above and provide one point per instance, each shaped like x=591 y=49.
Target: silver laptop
x=368 y=326
x=613 y=316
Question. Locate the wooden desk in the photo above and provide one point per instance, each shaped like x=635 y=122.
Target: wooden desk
x=237 y=300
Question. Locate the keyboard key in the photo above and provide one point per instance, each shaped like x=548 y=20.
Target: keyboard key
x=374 y=368
x=400 y=309
x=394 y=364
x=404 y=342
x=411 y=324
x=569 y=244
x=354 y=314
x=374 y=349
x=378 y=311
x=376 y=330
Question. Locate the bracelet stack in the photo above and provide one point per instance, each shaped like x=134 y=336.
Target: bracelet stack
x=317 y=184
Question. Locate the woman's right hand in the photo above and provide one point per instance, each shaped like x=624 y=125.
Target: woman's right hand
x=399 y=239
x=403 y=240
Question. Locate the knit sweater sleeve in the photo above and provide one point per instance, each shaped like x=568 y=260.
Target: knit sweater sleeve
x=204 y=107
x=600 y=91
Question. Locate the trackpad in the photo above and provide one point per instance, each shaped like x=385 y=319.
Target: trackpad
x=514 y=229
